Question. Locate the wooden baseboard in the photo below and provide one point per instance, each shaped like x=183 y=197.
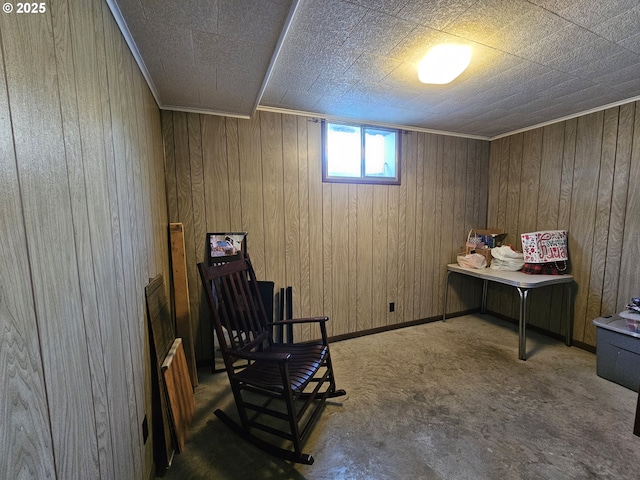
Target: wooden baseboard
x=387 y=328
x=396 y=326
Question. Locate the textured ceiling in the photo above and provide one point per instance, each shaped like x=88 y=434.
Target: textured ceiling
x=533 y=61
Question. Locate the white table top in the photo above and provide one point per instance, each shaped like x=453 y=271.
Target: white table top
x=515 y=279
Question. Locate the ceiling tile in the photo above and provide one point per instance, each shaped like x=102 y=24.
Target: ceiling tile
x=533 y=60
x=192 y=14
x=631 y=43
x=437 y=14
x=620 y=27
x=390 y=7
x=590 y=14
x=610 y=69
x=484 y=18
x=256 y=22
x=372 y=68
x=378 y=33
x=415 y=45
x=555 y=44
x=328 y=21
x=576 y=59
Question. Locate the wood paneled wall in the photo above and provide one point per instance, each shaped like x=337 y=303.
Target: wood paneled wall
x=347 y=250
x=580 y=175
x=350 y=250
x=84 y=227
x=85 y=210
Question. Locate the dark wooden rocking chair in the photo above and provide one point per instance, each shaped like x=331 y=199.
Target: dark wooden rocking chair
x=279 y=388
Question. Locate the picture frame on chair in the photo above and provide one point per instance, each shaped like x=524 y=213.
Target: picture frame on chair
x=226 y=246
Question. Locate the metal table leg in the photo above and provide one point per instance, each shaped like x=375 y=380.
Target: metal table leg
x=446 y=295
x=569 y=331
x=522 y=327
x=483 y=308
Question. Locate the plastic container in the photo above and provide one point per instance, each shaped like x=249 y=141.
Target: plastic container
x=617 y=351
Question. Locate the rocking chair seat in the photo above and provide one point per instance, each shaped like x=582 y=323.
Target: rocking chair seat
x=303 y=363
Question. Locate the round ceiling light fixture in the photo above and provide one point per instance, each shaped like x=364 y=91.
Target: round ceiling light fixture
x=443 y=63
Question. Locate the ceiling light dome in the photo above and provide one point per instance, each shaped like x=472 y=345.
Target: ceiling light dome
x=444 y=63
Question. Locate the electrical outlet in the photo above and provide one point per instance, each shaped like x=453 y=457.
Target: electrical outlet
x=392 y=307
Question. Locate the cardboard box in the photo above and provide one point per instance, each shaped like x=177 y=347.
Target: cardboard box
x=487 y=254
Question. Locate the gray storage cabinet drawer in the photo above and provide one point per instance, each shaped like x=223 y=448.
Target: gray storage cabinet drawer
x=617 y=352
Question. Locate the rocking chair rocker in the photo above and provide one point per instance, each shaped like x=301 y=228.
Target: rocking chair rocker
x=279 y=388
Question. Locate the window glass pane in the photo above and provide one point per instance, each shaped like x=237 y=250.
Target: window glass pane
x=353 y=153
x=380 y=153
x=343 y=151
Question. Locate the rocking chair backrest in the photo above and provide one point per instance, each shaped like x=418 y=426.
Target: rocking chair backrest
x=239 y=316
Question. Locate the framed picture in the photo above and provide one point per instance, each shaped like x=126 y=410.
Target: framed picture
x=226 y=246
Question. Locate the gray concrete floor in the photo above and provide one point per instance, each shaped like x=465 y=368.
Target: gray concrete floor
x=444 y=400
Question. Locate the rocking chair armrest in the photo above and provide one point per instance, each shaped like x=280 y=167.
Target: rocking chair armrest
x=320 y=321
x=291 y=321
x=277 y=357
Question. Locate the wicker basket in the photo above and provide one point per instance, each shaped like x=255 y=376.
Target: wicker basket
x=471 y=246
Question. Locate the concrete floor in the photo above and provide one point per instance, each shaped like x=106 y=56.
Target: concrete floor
x=440 y=401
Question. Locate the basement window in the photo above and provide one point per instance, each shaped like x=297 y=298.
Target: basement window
x=355 y=153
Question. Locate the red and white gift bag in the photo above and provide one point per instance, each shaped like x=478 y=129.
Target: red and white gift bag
x=545 y=246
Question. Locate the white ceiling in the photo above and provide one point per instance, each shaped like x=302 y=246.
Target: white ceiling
x=534 y=61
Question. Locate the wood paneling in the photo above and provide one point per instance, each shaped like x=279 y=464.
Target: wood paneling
x=35 y=104
x=198 y=231
x=352 y=250
x=83 y=202
x=303 y=291
x=121 y=199
x=614 y=289
x=630 y=252
x=347 y=250
x=86 y=200
x=574 y=175
x=583 y=211
x=339 y=251
x=290 y=138
x=25 y=437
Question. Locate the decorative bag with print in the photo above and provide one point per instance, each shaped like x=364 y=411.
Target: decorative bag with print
x=545 y=252
x=545 y=246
